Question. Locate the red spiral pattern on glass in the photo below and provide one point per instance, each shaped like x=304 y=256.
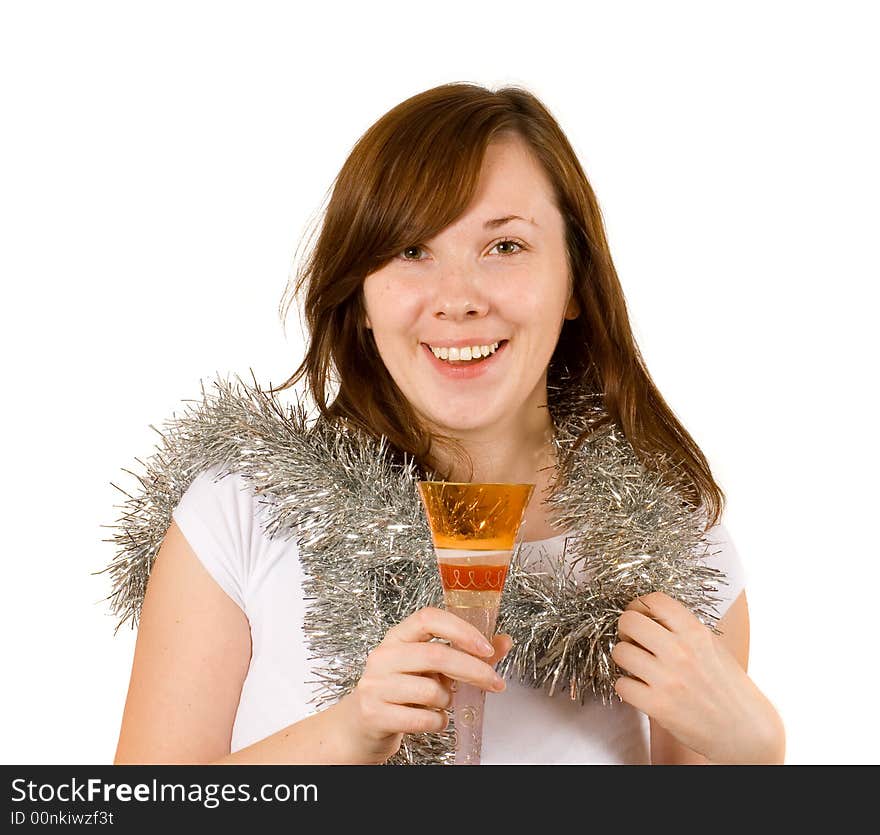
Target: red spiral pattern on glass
x=456 y=576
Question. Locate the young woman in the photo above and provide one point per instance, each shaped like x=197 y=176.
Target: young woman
x=462 y=261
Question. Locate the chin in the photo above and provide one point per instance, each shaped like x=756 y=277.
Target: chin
x=449 y=427
x=474 y=419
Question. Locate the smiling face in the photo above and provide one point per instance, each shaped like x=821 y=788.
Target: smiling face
x=477 y=283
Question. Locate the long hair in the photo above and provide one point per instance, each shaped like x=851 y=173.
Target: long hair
x=410 y=175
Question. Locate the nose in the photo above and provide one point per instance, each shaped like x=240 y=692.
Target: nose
x=459 y=298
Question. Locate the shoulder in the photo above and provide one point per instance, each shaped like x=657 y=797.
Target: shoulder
x=215 y=486
x=723 y=554
x=221 y=517
x=216 y=502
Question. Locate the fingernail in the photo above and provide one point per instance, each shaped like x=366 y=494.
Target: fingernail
x=499 y=683
x=485 y=647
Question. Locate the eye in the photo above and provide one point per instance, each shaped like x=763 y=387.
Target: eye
x=510 y=241
x=522 y=247
x=409 y=249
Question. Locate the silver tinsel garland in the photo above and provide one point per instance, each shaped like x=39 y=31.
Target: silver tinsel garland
x=353 y=509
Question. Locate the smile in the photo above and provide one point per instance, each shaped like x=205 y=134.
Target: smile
x=470 y=366
x=468 y=352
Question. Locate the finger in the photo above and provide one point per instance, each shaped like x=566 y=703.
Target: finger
x=635 y=661
x=644 y=631
x=400 y=719
x=666 y=610
x=451 y=662
x=634 y=692
x=444 y=680
x=416 y=691
x=430 y=622
x=503 y=644
x=447 y=682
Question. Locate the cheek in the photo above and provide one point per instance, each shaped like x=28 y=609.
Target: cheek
x=538 y=305
x=392 y=311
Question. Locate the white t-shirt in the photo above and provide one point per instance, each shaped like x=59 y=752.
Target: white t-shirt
x=221 y=520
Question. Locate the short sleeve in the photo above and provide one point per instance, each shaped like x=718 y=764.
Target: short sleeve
x=723 y=555
x=216 y=515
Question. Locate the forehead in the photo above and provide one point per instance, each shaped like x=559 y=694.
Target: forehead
x=512 y=182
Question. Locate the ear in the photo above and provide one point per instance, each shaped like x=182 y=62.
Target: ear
x=367 y=323
x=572 y=309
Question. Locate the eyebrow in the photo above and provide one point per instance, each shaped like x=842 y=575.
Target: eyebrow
x=500 y=221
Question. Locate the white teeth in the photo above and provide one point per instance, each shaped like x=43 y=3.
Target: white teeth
x=468 y=352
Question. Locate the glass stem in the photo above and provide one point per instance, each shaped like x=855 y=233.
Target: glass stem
x=468 y=701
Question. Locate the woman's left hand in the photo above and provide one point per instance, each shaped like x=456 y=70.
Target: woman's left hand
x=685 y=679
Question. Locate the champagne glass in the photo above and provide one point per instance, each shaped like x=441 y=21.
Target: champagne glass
x=474 y=528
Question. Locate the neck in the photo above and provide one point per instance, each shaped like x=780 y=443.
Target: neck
x=515 y=450
x=518 y=451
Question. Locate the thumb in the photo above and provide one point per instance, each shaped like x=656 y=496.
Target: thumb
x=503 y=644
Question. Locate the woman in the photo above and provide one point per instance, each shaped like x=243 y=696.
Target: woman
x=461 y=263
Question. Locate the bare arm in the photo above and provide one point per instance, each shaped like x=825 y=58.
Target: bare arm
x=191 y=657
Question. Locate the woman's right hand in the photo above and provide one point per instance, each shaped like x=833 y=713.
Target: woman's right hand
x=407 y=682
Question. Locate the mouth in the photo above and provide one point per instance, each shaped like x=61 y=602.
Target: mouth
x=465 y=369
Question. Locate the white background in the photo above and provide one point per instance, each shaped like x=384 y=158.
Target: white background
x=162 y=161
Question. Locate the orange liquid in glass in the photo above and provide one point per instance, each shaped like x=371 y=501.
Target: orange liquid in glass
x=481 y=517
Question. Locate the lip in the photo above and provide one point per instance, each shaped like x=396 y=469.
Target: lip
x=466 y=371
x=462 y=343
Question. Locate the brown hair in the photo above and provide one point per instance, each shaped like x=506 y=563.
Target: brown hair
x=409 y=176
